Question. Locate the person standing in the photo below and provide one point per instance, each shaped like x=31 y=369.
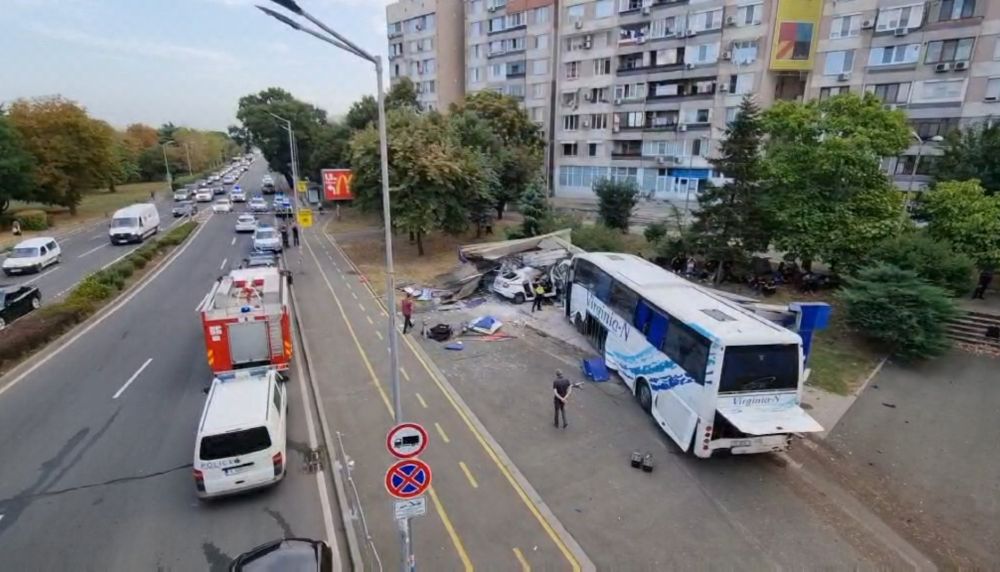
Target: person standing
x=561 y=389
x=985 y=277
x=536 y=305
x=295 y=234
x=407 y=307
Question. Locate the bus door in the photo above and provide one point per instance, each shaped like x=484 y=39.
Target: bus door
x=678 y=406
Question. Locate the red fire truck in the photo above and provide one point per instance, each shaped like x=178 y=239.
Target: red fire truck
x=246 y=321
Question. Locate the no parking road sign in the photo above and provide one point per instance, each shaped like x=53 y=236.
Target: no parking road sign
x=408 y=478
x=406 y=440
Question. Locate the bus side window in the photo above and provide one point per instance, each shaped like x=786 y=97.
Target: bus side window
x=583 y=274
x=657 y=329
x=688 y=349
x=602 y=288
x=623 y=300
x=642 y=314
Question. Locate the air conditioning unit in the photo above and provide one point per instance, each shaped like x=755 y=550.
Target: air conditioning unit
x=588 y=96
x=991 y=98
x=682 y=127
x=618 y=101
x=724 y=87
x=731 y=21
x=587 y=44
x=942 y=67
x=578 y=24
x=867 y=24
x=586 y=124
x=900 y=32
x=661 y=160
x=690 y=66
x=645 y=10
x=844 y=77
x=641 y=40
x=727 y=55
x=492 y=8
x=961 y=66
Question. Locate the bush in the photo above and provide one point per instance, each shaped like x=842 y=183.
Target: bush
x=655 y=232
x=32 y=219
x=90 y=290
x=899 y=310
x=616 y=201
x=598 y=238
x=124 y=268
x=933 y=260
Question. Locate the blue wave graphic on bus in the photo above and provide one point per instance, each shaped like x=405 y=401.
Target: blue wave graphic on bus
x=649 y=370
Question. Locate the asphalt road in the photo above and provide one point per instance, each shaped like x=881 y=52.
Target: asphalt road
x=94 y=482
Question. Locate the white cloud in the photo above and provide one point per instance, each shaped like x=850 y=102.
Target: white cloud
x=163 y=50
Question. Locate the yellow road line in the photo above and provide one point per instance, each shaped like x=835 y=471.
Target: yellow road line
x=402 y=370
x=468 y=475
x=423 y=403
x=542 y=521
x=520 y=558
x=441 y=432
x=369 y=320
x=439 y=508
x=379 y=334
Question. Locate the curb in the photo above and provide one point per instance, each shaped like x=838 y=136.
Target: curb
x=522 y=482
x=331 y=451
x=36 y=360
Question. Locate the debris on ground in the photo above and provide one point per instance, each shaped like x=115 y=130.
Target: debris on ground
x=486 y=325
x=595 y=369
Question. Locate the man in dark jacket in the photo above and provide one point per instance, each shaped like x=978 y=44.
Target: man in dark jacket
x=561 y=389
x=985 y=277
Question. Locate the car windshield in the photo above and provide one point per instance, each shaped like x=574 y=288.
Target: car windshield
x=245 y=218
x=124 y=222
x=222 y=202
x=234 y=444
x=265 y=234
x=23 y=252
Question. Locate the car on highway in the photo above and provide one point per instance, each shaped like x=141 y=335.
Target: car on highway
x=203 y=196
x=203 y=184
x=238 y=195
x=246 y=223
x=260 y=260
x=258 y=205
x=219 y=190
x=17 y=301
x=184 y=208
x=182 y=195
x=222 y=206
x=241 y=438
x=267 y=180
x=32 y=255
x=229 y=179
x=266 y=239
x=287 y=555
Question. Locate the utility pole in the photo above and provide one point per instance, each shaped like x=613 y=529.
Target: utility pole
x=166 y=166
x=187 y=152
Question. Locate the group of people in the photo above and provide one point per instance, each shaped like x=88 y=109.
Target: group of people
x=284 y=234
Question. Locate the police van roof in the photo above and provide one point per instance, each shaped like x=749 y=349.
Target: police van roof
x=237 y=400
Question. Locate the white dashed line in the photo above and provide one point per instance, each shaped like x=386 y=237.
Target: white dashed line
x=131 y=379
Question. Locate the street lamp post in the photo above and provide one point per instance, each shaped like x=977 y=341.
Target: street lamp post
x=406 y=558
x=166 y=166
x=293 y=158
x=187 y=152
x=916 y=161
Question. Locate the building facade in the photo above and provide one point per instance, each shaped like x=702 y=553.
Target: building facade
x=426 y=45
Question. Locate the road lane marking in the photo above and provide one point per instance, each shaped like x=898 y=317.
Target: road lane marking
x=362 y=306
x=40 y=276
x=355 y=295
x=379 y=334
x=533 y=507
x=92 y=250
x=440 y=430
x=233 y=241
x=223 y=265
x=468 y=475
x=438 y=507
x=130 y=251
x=349 y=287
x=402 y=370
x=367 y=317
x=96 y=237
x=131 y=379
x=203 y=300
x=520 y=558
x=423 y=403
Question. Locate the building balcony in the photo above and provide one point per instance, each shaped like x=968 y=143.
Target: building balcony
x=632 y=155
x=516 y=74
x=635 y=70
x=661 y=126
x=698 y=95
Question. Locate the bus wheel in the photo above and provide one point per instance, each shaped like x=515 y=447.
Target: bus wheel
x=644 y=395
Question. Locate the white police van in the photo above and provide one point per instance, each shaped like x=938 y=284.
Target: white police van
x=241 y=437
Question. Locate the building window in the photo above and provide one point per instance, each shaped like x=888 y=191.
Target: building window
x=839 y=62
x=996 y=49
x=703 y=54
x=571 y=122
x=515 y=69
x=475 y=29
x=598 y=121
x=662 y=27
x=930 y=91
x=630 y=91
x=903 y=17
x=540 y=15
x=731 y=113
x=395 y=28
x=625 y=174
x=632 y=119
x=569 y=149
x=894 y=55
x=629 y=5
x=538 y=90
x=745 y=52
x=697 y=116
x=539 y=67
x=993 y=89
x=538 y=114
x=698 y=147
x=497 y=72
x=496 y=24
x=602 y=66
x=845 y=27
x=575 y=12
x=475 y=74
x=476 y=6
x=541 y=41
x=395 y=49
x=572 y=70
x=927 y=128
x=956 y=9
x=828 y=92
x=740 y=84
x=592 y=149
x=515 y=20
x=604 y=8
x=749 y=15
x=890 y=92
x=948 y=50
x=707 y=20
x=429 y=66
x=568 y=98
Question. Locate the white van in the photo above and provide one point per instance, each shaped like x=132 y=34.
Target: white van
x=241 y=437
x=134 y=223
x=32 y=255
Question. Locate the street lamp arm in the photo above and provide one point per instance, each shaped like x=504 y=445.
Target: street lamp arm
x=348 y=45
x=296 y=26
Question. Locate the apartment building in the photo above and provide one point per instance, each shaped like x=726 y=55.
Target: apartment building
x=426 y=44
x=645 y=88
x=939 y=61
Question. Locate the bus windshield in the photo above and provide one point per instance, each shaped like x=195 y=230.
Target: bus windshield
x=760 y=368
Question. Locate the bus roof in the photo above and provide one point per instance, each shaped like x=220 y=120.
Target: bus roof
x=713 y=316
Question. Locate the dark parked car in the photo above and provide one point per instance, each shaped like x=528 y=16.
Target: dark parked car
x=288 y=555
x=18 y=301
x=184 y=208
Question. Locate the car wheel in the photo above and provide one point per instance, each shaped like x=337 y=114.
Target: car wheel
x=37 y=268
x=644 y=395
x=36 y=302
x=8 y=272
x=3 y=323
x=519 y=298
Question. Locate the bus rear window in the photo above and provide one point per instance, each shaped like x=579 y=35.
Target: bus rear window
x=760 y=368
x=234 y=444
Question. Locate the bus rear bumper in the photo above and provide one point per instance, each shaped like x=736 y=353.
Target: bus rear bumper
x=752 y=445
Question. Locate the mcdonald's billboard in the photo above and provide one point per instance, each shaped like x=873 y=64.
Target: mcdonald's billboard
x=337 y=184
x=796 y=32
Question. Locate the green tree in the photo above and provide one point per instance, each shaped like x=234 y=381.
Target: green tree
x=899 y=310
x=971 y=153
x=364 y=112
x=166 y=132
x=270 y=134
x=332 y=150
x=598 y=238
x=17 y=166
x=729 y=224
x=655 y=232
x=825 y=195
x=240 y=136
x=616 y=200
x=964 y=214
x=73 y=152
x=534 y=210
x=934 y=260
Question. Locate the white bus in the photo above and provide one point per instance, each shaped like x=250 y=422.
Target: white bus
x=714 y=376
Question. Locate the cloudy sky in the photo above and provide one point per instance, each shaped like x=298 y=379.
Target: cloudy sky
x=186 y=61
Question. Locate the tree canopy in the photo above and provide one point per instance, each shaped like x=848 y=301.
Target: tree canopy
x=971 y=153
x=270 y=134
x=616 y=201
x=17 y=166
x=964 y=214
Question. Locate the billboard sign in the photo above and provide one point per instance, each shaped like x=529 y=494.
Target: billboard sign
x=793 y=47
x=337 y=184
